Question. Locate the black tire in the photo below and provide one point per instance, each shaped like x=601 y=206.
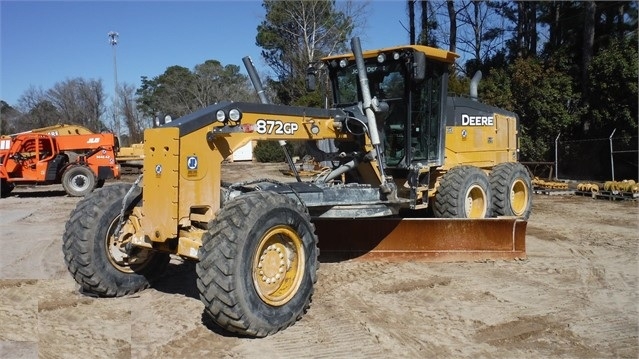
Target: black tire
x=78 y=180
x=92 y=254
x=5 y=188
x=464 y=192
x=252 y=294
x=511 y=186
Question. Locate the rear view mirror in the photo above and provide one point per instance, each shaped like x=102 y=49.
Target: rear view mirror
x=419 y=66
x=311 y=78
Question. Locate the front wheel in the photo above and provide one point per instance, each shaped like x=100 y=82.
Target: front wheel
x=464 y=192
x=258 y=264
x=100 y=261
x=78 y=181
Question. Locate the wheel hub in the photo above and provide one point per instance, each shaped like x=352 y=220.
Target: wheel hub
x=278 y=265
x=518 y=197
x=273 y=264
x=79 y=182
x=119 y=250
x=475 y=203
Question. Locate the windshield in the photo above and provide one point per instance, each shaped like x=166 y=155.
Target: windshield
x=386 y=81
x=411 y=129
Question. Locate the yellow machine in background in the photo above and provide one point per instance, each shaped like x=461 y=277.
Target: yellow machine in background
x=401 y=150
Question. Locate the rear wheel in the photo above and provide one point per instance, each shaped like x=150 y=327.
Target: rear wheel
x=98 y=260
x=512 y=190
x=464 y=192
x=78 y=181
x=258 y=264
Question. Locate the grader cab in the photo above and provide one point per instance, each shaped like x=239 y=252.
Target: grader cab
x=414 y=173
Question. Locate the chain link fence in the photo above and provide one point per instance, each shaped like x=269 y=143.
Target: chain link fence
x=598 y=159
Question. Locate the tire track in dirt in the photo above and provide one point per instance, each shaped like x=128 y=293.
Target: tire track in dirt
x=603 y=329
x=535 y=333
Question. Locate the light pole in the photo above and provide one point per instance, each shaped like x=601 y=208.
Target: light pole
x=113 y=40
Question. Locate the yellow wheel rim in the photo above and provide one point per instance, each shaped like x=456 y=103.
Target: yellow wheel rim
x=116 y=248
x=278 y=265
x=519 y=197
x=475 y=202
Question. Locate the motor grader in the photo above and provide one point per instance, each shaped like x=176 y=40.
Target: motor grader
x=402 y=151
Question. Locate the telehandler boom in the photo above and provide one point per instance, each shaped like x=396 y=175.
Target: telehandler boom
x=403 y=150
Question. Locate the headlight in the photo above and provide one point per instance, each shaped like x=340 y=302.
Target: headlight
x=235 y=115
x=381 y=58
x=343 y=63
x=395 y=55
x=220 y=116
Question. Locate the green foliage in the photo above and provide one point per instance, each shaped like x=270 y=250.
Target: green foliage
x=613 y=89
x=496 y=89
x=542 y=97
x=458 y=85
x=296 y=33
x=179 y=91
x=270 y=151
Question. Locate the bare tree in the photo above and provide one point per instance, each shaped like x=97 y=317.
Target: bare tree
x=479 y=34
x=452 y=18
x=36 y=111
x=587 y=42
x=133 y=119
x=411 y=20
x=79 y=101
x=296 y=33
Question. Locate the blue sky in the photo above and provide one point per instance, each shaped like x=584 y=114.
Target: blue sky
x=42 y=43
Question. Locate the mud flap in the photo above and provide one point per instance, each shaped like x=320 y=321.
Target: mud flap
x=433 y=240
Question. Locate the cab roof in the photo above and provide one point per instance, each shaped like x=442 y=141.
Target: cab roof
x=430 y=52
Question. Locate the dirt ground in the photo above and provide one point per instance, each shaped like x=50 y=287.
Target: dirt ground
x=576 y=296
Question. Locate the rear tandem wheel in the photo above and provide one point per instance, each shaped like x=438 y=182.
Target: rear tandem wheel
x=464 y=192
x=258 y=264
x=512 y=190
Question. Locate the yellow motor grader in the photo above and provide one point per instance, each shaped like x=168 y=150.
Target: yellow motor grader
x=415 y=173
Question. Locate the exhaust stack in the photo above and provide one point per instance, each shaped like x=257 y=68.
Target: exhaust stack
x=474 y=83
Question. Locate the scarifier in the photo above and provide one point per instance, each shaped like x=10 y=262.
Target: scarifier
x=402 y=151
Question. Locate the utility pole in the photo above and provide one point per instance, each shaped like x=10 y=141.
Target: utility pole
x=113 y=40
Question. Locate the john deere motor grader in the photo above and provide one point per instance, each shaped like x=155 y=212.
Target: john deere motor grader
x=402 y=148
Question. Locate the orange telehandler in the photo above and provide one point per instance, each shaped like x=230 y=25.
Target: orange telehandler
x=129 y=158
x=80 y=162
